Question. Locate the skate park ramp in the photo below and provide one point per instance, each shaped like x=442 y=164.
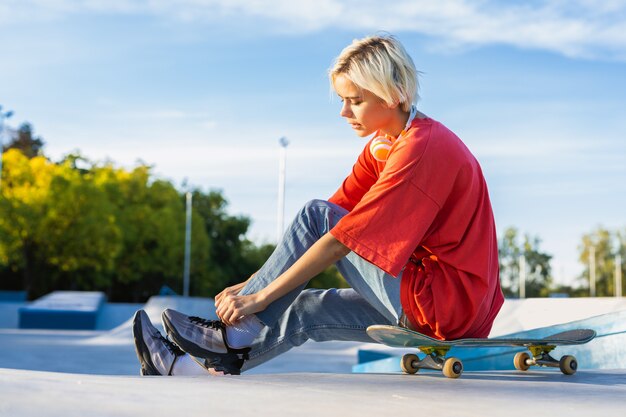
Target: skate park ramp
x=535 y=318
x=67 y=373
x=192 y=306
x=96 y=352
x=518 y=315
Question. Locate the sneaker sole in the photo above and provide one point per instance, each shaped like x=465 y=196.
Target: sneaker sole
x=211 y=371
x=147 y=369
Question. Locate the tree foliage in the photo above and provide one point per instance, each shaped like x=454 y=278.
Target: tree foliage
x=25 y=141
x=84 y=226
x=329 y=278
x=77 y=225
x=607 y=244
x=537 y=264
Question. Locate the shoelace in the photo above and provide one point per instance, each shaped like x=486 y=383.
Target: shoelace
x=171 y=346
x=218 y=325
x=213 y=324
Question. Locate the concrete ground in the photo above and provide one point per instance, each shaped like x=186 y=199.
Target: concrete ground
x=543 y=393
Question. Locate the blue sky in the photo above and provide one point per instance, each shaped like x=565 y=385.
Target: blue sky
x=203 y=89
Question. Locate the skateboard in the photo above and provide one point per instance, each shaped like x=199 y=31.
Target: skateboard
x=436 y=350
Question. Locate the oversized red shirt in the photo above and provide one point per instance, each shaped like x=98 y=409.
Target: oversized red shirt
x=426 y=211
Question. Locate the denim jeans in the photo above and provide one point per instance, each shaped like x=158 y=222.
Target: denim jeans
x=320 y=315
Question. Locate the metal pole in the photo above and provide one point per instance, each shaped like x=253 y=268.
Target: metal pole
x=282 y=169
x=592 y=271
x=618 y=275
x=187 y=246
x=522 y=277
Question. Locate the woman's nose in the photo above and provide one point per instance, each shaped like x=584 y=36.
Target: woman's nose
x=345 y=110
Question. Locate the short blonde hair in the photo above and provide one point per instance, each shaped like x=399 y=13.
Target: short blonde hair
x=381 y=65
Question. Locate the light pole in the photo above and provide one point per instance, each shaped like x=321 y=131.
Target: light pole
x=618 y=275
x=3 y=115
x=592 y=271
x=282 y=165
x=522 y=276
x=189 y=197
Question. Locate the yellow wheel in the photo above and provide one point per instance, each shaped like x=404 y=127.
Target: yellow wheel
x=568 y=365
x=520 y=361
x=452 y=368
x=407 y=363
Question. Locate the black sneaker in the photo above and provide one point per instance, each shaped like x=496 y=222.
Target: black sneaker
x=204 y=339
x=156 y=354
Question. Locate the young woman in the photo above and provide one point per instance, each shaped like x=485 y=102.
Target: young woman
x=411 y=229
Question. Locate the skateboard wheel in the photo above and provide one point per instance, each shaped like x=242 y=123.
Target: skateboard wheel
x=520 y=361
x=407 y=363
x=568 y=365
x=452 y=368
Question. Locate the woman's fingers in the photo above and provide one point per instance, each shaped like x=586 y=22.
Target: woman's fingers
x=223 y=310
x=232 y=307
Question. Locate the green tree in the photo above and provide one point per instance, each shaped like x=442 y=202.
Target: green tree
x=82 y=226
x=329 y=278
x=25 y=141
x=25 y=187
x=152 y=217
x=78 y=237
x=233 y=258
x=606 y=245
x=538 y=271
x=55 y=230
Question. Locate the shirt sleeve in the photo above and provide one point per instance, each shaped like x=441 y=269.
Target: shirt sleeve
x=360 y=180
x=393 y=216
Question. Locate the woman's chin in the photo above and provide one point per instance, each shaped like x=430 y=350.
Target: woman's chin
x=362 y=133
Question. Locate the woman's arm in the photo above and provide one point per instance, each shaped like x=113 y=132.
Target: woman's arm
x=326 y=251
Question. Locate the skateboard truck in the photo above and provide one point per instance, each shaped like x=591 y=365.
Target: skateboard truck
x=453 y=367
x=434 y=359
x=541 y=357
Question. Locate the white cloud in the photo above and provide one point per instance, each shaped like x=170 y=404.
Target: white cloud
x=578 y=28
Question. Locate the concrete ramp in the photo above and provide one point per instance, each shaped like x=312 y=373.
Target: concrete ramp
x=531 y=313
x=122 y=334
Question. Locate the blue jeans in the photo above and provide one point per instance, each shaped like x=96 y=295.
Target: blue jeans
x=320 y=315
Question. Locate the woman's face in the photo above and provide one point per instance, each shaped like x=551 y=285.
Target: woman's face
x=363 y=110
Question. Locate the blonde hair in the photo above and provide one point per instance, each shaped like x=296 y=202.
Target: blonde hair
x=381 y=65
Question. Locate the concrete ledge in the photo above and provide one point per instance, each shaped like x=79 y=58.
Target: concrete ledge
x=63 y=310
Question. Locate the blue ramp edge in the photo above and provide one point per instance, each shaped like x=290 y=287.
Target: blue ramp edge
x=365 y=355
x=606 y=351
x=69 y=310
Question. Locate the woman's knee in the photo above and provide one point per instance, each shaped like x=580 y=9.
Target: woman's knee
x=321 y=215
x=315 y=206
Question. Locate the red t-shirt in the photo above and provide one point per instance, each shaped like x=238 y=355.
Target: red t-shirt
x=427 y=210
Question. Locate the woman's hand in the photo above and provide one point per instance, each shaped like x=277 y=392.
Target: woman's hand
x=233 y=290
x=233 y=307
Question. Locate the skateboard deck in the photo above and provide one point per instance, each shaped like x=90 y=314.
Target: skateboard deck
x=436 y=350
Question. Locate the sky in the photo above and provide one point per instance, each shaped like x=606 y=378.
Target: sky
x=202 y=90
